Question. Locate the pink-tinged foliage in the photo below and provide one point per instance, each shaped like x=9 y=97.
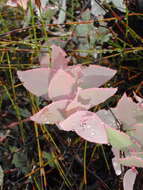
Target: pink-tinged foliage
x=76 y=105
x=72 y=106
x=94 y=76
x=36 y=80
x=51 y=114
x=132 y=161
x=128 y=112
x=95 y=96
x=138 y=154
x=61 y=80
x=129 y=179
x=76 y=72
x=61 y=83
x=86 y=98
x=62 y=86
x=56 y=59
x=87 y=125
x=117 y=138
x=15 y=3
x=136 y=131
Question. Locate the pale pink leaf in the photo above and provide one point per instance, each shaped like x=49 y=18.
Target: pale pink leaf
x=129 y=179
x=95 y=96
x=128 y=112
x=61 y=86
x=95 y=76
x=56 y=60
x=36 y=80
x=132 y=161
x=87 y=125
x=76 y=72
x=76 y=105
x=117 y=138
x=51 y=114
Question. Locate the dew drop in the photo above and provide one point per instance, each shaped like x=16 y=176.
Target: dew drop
x=102 y=123
x=83 y=124
x=93 y=133
x=88 y=126
x=118 y=172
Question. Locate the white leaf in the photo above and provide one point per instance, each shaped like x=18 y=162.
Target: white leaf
x=107 y=117
x=115 y=161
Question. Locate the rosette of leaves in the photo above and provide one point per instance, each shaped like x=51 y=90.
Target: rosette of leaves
x=73 y=90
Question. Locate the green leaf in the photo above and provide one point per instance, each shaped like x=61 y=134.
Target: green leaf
x=49 y=158
x=132 y=161
x=1 y=177
x=117 y=138
x=20 y=161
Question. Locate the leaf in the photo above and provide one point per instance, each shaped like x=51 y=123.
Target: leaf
x=117 y=138
x=117 y=166
x=49 y=157
x=20 y=161
x=95 y=96
x=76 y=72
x=115 y=161
x=15 y=3
x=132 y=161
x=1 y=177
x=62 y=12
x=76 y=105
x=107 y=117
x=56 y=60
x=36 y=80
x=120 y=5
x=51 y=114
x=95 y=76
x=61 y=86
x=129 y=179
x=12 y=3
x=136 y=131
x=128 y=112
x=86 y=98
x=96 y=9
x=87 y=125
